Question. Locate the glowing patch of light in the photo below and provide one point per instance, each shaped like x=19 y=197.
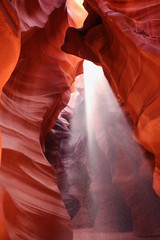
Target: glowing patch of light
x=100 y=100
x=97 y=89
x=76 y=12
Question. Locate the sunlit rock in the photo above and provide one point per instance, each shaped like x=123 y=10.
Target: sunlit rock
x=9 y=41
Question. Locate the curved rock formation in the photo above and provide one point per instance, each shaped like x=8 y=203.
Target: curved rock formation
x=66 y=150
x=9 y=41
x=9 y=53
x=122 y=37
x=31 y=101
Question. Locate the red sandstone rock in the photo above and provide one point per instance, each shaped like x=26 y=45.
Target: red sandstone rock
x=9 y=53
x=123 y=37
x=35 y=13
x=9 y=41
x=31 y=100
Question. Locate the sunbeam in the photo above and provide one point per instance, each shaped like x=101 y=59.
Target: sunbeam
x=109 y=126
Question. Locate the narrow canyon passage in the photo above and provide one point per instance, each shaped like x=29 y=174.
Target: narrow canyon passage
x=104 y=175
x=79 y=119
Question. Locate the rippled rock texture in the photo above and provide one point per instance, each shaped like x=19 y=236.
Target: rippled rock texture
x=9 y=53
x=37 y=91
x=66 y=150
x=123 y=38
x=9 y=39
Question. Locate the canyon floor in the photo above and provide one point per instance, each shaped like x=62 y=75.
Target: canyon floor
x=90 y=234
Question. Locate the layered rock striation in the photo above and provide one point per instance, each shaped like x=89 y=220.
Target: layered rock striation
x=9 y=53
x=123 y=38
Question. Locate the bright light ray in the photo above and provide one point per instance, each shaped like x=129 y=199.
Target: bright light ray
x=101 y=141
x=101 y=103
x=97 y=89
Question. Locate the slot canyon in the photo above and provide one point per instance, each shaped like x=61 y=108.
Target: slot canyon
x=79 y=119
